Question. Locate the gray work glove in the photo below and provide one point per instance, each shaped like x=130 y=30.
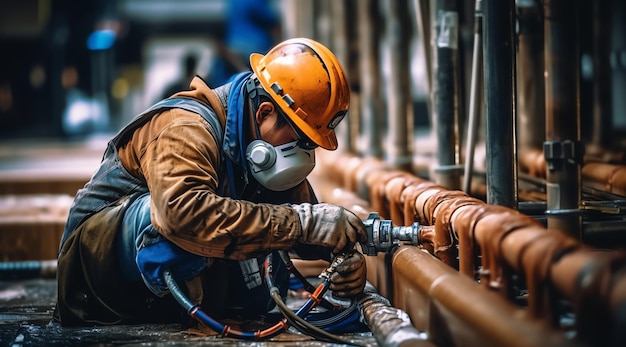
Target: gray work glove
x=331 y=226
x=349 y=277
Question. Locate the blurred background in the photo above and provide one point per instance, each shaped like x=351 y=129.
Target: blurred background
x=82 y=67
x=73 y=68
x=505 y=103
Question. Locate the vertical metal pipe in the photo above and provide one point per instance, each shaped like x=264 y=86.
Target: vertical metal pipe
x=602 y=100
x=370 y=79
x=422 y=17
x=397 y=85
x=476 y=97
x=445 y=92
x=498 y=68
x=563 y=150
x=530 y=81
x=339 y=24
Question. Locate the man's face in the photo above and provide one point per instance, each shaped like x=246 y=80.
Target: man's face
x=266 y=117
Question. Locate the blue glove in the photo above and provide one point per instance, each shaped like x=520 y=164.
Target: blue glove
x=157 y=254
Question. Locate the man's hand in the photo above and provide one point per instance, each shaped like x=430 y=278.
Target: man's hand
x=331 y=226
x=349 y=278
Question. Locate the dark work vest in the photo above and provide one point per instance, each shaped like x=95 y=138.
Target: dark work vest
x=112 y=181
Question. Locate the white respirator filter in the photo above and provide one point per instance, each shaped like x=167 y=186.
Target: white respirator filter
x=279 y=168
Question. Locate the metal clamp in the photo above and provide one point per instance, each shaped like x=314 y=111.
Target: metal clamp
x=557 y=153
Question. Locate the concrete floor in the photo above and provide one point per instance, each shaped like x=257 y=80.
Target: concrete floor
x=49 y=170
x=26 y=308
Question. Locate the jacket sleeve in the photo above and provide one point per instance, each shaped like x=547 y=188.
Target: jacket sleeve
x=181 y=167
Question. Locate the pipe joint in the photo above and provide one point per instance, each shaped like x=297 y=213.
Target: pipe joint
x=382 y=235
x=557 y=153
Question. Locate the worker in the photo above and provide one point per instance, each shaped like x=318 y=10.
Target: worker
x=205 y=184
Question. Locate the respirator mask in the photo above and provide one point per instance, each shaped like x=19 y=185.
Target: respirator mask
x=279 y=168
x=282 y=167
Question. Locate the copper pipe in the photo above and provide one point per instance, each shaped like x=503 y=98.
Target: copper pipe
x=550 y=261
x=445 y=247
x=427 y=236
x=595 y=281
x=378 y=274
x=393 y=192
x=489 y=233
x=376 y=181
x=408 y=197
x=456 y=312
x=362 y=171
x=465 y=233
x=423 y=215
x=607 y=177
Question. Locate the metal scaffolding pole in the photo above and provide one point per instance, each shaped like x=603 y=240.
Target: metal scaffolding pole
x=445 y=92
x=499 y=81
x=476 y=97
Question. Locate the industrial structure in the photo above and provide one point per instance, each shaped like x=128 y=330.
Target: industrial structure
x=496 y=128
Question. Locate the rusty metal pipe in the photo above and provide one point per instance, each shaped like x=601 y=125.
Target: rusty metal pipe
x=409 y=196
x=507 y=239
x=390 y=326
x=455 y=311
x=393 y=191
x=445 y=246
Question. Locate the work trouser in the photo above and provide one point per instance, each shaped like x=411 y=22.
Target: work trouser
x=229 y=285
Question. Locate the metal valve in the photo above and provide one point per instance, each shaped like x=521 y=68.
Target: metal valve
x=382 y=235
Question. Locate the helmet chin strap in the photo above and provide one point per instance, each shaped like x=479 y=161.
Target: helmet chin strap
x=255 y=91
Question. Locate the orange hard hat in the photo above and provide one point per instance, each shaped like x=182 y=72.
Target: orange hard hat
x=307 y=82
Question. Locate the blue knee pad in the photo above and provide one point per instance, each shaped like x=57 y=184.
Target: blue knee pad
x=157 y=255
x=145 y=254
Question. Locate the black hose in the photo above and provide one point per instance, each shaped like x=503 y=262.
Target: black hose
x=307 y=285
x=196 y=312
x=304 y=326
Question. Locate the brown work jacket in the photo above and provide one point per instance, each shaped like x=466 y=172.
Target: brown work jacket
x=177 y=156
